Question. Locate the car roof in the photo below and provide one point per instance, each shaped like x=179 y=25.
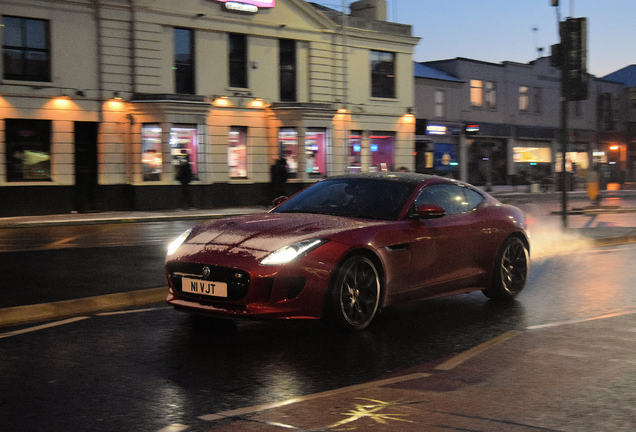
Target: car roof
x=406 y=177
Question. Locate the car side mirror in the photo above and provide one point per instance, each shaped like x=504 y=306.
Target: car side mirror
x=429 y=211
x=278 y=201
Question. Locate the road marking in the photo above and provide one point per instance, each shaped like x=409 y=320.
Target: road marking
x=132 y=311
x=474 y=351
x=582 y=320
x=41 y=327
x=176 y=427
x=268 y=406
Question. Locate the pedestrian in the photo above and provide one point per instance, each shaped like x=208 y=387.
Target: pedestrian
x=184 y=176
x=278 y=177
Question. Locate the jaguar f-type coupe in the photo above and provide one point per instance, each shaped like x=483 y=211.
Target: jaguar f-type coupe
x=348 y=246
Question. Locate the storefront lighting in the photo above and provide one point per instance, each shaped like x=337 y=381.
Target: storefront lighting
x=221 y=101
x=343 y=111
x=408 y=118
x=614 y=147
x=257 y=103
x=62 y=101
x=116 y=104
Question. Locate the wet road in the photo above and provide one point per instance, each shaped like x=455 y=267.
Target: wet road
x=144 y=370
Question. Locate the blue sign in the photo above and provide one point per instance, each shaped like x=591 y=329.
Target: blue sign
x=445 y=157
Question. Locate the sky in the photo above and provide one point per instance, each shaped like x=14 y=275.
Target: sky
x=513 y=30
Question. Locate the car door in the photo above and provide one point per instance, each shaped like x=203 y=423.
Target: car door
x=443 y=249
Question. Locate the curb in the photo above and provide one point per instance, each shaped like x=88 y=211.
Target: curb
x=122 y=219
x=17 y=315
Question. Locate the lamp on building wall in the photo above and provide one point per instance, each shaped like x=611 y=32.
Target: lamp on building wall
x=221 y=101
x=257 y=103
x=62 y=101
x=80 y=93
x=409 y=117
x=117 y=97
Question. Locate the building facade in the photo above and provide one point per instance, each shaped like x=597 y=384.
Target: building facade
x=100 y=101
x=490 y=123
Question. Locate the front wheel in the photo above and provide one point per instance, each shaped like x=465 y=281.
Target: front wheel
x=511 y=270
x=355 y=294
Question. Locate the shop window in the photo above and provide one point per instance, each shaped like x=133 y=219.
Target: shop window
x=237 y=152
x=288 y=147
x=287 y=68
x=184 y=60
x=491 y=95
x=524 y=99
x=25 y=49
x=476 y=93
x=354 y=164
x=381 y=148
x=238 y=60
x=184 y=144
x=316 y=152
x=151 y=158
x=439 y=103
x=382 y=74
x=532 y=154
x=28 y=150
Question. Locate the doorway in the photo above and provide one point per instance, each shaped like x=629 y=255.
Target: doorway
x=85 y=166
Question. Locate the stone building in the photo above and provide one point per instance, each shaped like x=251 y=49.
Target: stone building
x=100 y=100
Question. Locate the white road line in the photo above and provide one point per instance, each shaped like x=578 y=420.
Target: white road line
x=562 y=323
x=42 y=327
x=131 y=311
x=176 y=427
x=474 y=351
x=263 y=407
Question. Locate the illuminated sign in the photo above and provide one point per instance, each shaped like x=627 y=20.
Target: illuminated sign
x=471 y=129
x=436 y=130
x=247 y=5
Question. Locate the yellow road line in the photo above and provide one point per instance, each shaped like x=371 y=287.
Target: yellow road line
x=466 y=355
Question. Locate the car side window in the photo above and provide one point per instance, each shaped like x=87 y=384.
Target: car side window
x=448 y=196
x=473 y=198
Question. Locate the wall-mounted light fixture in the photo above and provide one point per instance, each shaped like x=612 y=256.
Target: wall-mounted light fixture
x=62 y=101
x=117 y=97
x=80 y=93
x=221 y=101
x=257 y=103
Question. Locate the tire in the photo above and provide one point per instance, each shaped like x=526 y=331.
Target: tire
x=354 y=296
x=511 y=270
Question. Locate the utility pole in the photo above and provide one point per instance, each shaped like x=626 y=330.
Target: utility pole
x=571 y=56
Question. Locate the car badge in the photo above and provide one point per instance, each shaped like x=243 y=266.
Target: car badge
x=206 y=272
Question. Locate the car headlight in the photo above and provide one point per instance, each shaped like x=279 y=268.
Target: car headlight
x=172 y=247
x=289 y=253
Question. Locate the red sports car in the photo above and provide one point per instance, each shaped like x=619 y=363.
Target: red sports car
x=348 y=246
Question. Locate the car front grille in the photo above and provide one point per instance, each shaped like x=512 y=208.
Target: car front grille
x=237 y=281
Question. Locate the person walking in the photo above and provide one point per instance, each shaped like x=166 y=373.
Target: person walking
x=184 y=176
x=278 y=177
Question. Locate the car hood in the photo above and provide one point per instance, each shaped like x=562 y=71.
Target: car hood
x=271 y=231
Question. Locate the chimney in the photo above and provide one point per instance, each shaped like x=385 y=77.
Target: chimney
x=369 y=9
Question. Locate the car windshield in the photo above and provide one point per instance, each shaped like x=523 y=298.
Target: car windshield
x=351 y=197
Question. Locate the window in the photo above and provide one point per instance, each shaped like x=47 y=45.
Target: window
x=538 y=100
x=454 y=199
x=237 y=152
x=439 y=103
x=287 y=68
x=184 y=60
x=381 y=147
x=382 y=74
x=316 y=152
x=476 y=93
x=491 y=95
x=25 y=49
x=151 y=158
x=184 y=144
x=288 y=147
x=524 y=99
x=238 y=60
x=28 y=150
x=354 y=161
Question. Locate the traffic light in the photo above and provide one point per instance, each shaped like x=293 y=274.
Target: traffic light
x=573 y=52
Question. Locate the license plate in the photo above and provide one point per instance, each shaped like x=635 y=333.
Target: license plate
x=204 y=287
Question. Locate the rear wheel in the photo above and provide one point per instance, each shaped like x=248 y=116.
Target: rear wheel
x=511 y=270
x=355 y=294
